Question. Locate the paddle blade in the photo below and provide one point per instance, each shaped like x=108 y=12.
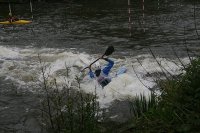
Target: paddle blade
x=109 y=50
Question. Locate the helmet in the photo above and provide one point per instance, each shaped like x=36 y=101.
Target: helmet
x=97 y=72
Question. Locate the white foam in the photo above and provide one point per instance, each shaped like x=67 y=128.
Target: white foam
x=8 y=52
x=24 y=68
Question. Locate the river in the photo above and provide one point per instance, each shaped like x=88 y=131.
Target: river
x=75 y=33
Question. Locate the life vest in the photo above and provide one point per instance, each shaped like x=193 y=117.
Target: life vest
x=12 y=19
x=103 y=81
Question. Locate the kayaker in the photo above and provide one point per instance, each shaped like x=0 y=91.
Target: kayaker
x=102 y=75
x=12 y=18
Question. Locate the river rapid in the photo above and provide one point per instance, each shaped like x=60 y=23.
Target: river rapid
x=73 y=34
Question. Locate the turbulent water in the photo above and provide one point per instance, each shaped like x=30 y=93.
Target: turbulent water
x=74 y=34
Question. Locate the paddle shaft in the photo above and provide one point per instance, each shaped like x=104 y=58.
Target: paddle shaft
x=93 y=62
x=108 y=51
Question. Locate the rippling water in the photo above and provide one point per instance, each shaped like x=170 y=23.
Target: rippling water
x=88 y=24
x=76 y=33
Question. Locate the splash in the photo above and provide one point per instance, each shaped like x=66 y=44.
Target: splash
x=23 y=67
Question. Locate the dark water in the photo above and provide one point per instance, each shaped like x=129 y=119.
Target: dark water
x=90 y=26
x=86 y=25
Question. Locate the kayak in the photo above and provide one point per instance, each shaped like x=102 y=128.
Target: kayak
x=16 y=22
x=119 y=80
x=122 y=70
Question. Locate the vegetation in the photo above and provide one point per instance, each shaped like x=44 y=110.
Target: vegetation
x=178 y=106
x=66 y=110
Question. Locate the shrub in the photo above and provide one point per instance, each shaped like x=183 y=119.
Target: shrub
x=178 y=107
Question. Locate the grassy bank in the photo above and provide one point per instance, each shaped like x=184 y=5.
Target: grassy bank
x=177 y=108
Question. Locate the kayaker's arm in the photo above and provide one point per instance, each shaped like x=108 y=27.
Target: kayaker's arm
x=91 y=73
x=108 y=67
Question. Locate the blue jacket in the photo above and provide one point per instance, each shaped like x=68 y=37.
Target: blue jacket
x=105 y=70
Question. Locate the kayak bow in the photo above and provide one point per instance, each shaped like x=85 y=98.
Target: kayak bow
x=18 y=22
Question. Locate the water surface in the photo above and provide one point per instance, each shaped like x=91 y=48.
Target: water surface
x=76 y=33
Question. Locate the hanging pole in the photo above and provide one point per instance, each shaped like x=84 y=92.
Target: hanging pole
x=158 y=4
x=10 y=11
x=143 y=22
x=31 y=7
x=129 y=18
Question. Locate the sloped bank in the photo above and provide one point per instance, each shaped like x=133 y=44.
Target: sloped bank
x=177 y=108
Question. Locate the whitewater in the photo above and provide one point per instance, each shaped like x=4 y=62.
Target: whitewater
x=23 y=67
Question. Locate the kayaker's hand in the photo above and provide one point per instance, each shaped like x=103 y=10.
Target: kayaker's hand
x=89 y=67
x=106 y=59
x=102 y=57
